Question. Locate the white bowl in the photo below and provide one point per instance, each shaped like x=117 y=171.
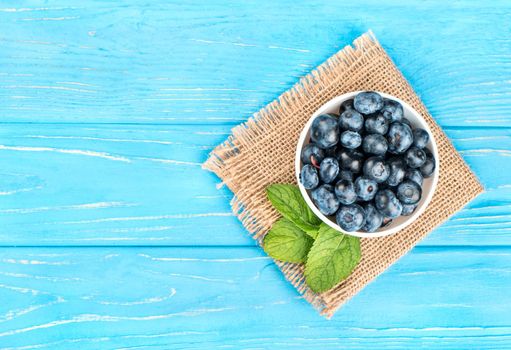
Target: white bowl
x=428 y=187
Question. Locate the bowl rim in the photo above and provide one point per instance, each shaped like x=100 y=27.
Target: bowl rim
x=425 y=201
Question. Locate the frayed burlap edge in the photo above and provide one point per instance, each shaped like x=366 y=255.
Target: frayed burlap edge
x=261 y=151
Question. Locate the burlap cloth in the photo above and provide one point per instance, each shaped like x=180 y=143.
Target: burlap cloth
x=262 y=151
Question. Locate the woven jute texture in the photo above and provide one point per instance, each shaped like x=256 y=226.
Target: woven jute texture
x=261 y=152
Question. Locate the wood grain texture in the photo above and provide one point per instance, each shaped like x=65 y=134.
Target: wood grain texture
x=200 y=298
x=108 y=108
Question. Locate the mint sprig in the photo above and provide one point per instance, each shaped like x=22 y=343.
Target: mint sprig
x=300 y=237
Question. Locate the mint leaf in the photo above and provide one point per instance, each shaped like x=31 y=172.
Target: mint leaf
x=289 y=202
x=286 y=242
x=313 y=233
x=332 y=258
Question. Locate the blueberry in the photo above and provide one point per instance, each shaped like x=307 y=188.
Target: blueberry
x=415 y=176
x=409 y=192
x=365 y=188
x=328 y=170
x=373 y=218
x=312 y=154
x=377 y=169
x=368 y=102
x=400 y=137
x=375 y=144
x=324 y=131
x=408 y=209
x=376 y=124
x=397 y=171
x=351 y=139
x=348 y=104
x=325 y=199
x=309 y=177
x=428 y=168
x=345 y=175
x=415 y=157
x=342 y=155
x=387 y=204
x=345 y=192
x=420 y=138
x=352 y=161
x=350 y=217
x=350 y=119
x=392 y=110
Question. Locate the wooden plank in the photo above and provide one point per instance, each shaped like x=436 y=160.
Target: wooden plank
x=129 y=185
x=72 y=184
x=194 y=62
x=193 y=298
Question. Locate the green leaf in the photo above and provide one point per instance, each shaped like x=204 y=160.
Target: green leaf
x=286 y=242
x=332 y=258
x=313 y=233
x=289 y=202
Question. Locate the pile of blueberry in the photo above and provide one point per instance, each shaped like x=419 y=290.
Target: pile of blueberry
x=366 y=165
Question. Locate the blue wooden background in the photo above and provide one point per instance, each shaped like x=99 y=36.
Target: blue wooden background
x=113 y=237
